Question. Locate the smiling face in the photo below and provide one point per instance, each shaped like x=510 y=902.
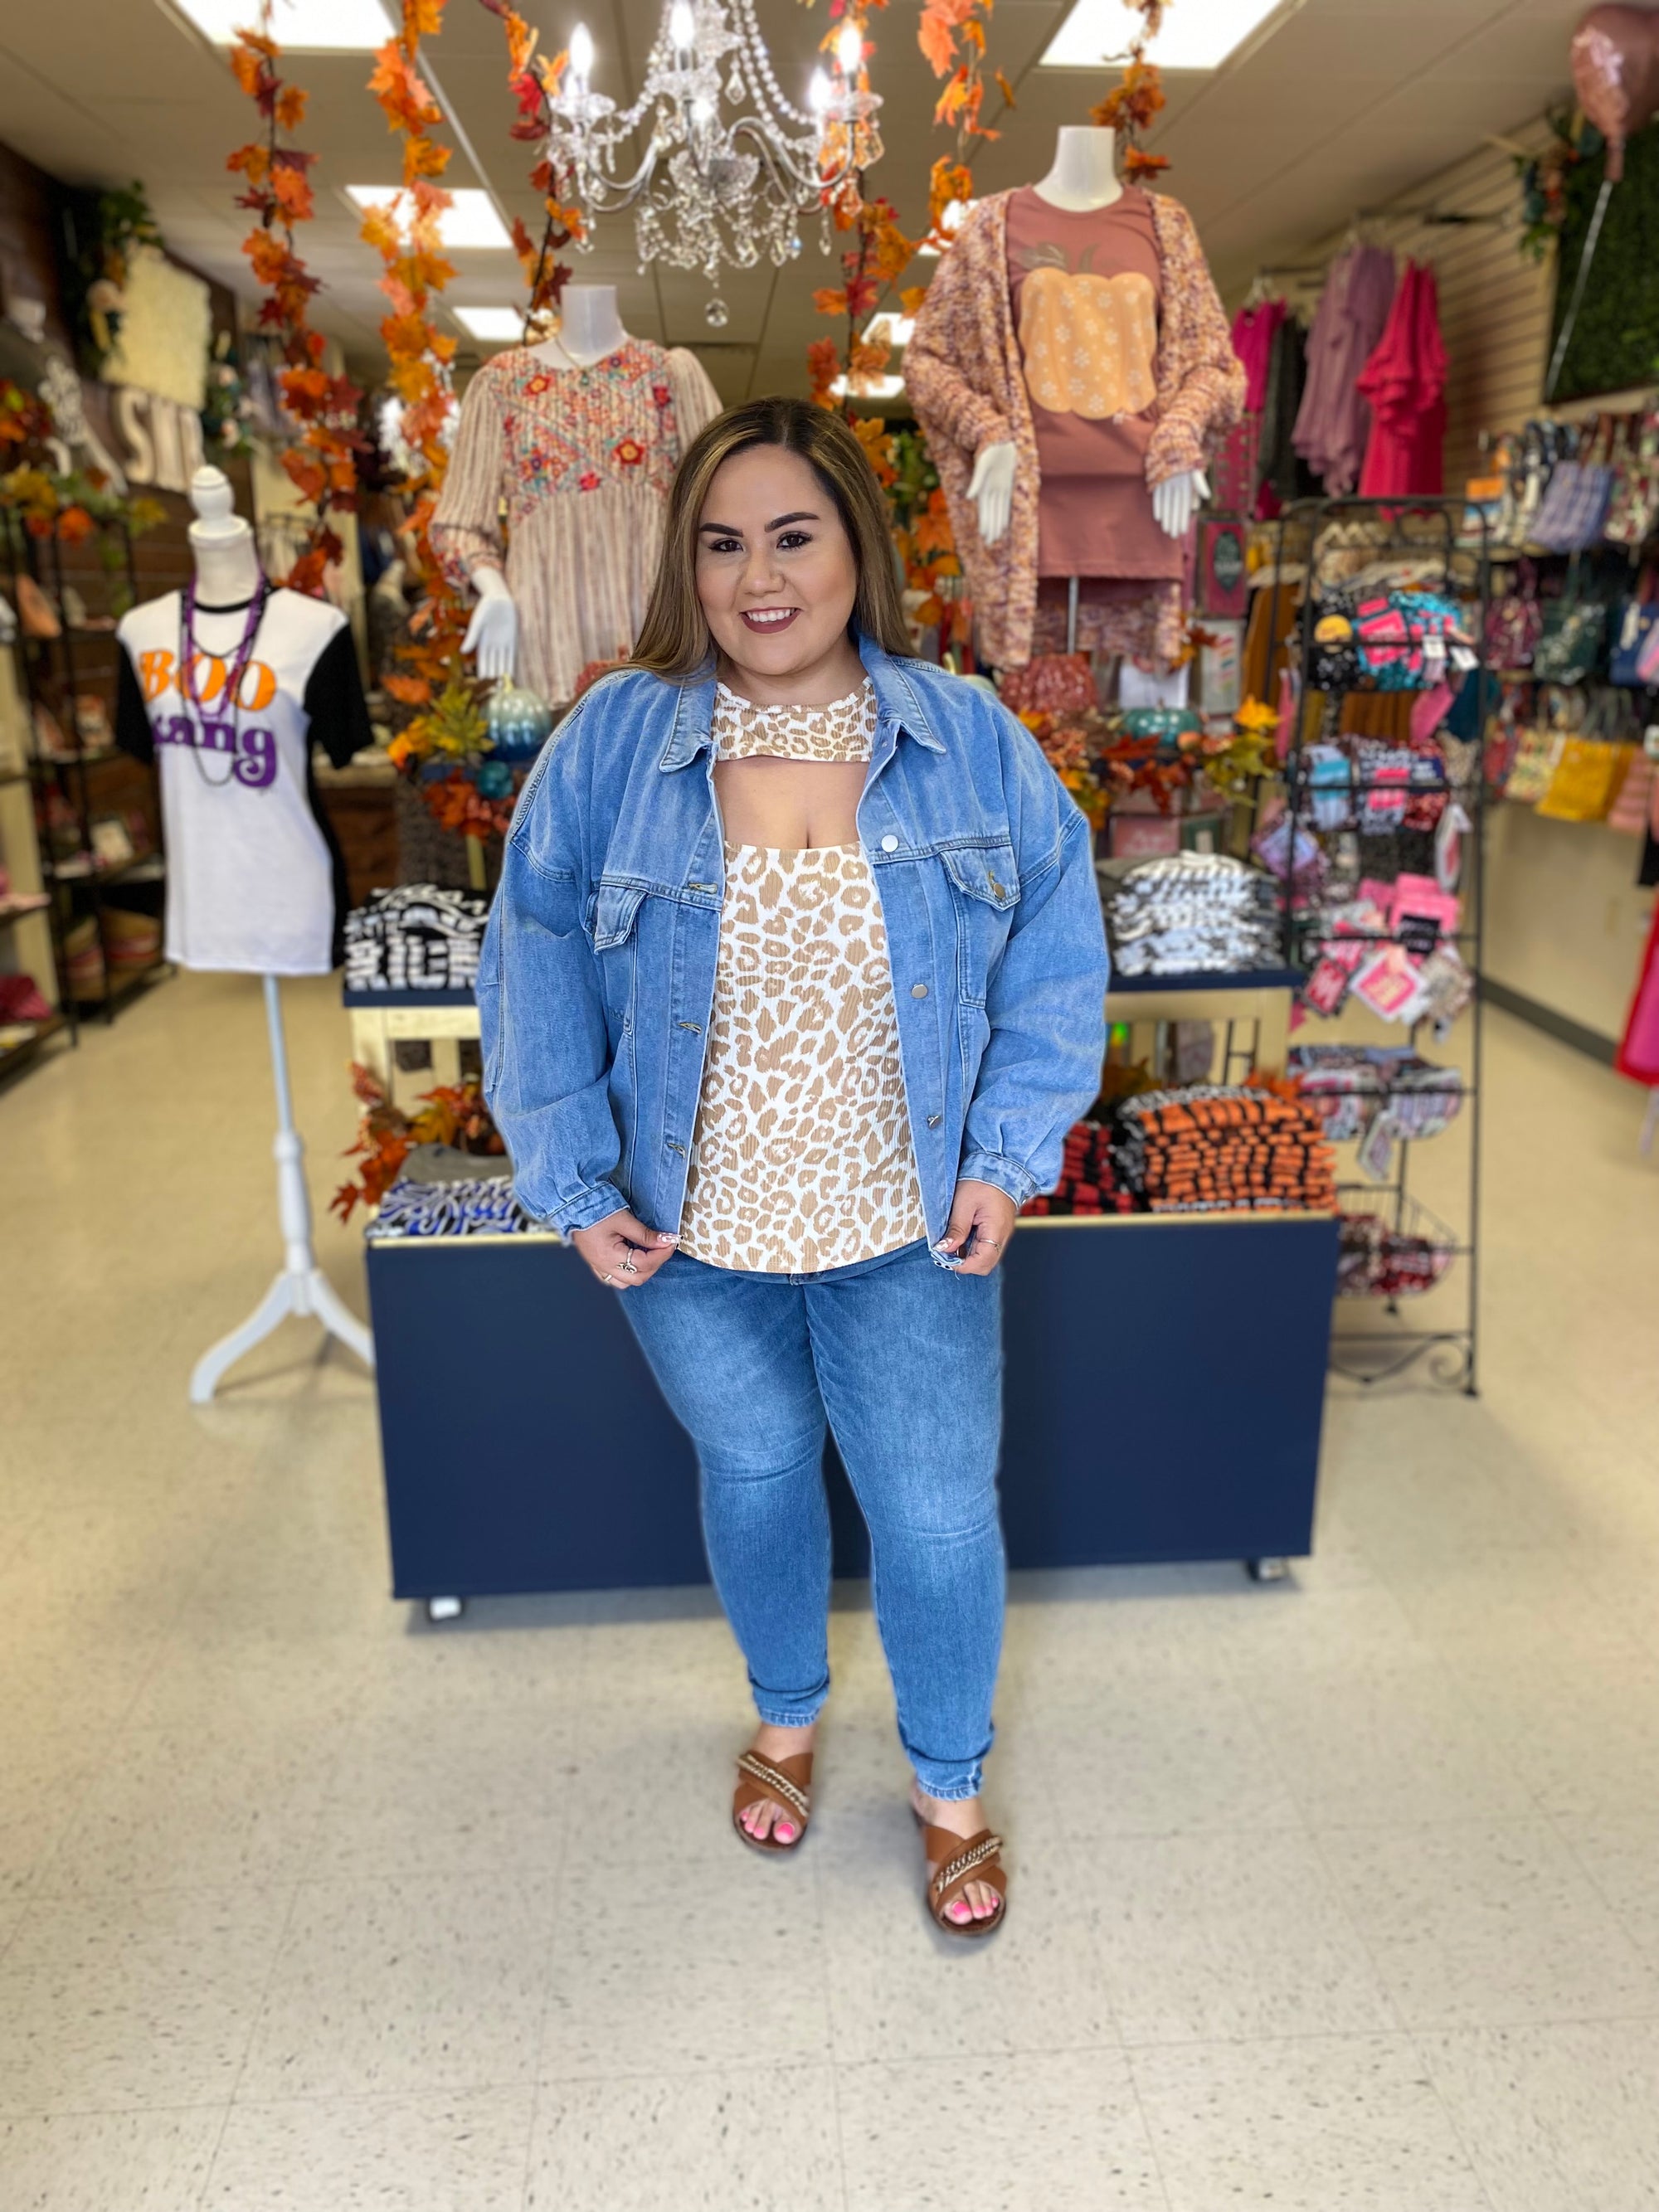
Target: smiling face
x=777 y=578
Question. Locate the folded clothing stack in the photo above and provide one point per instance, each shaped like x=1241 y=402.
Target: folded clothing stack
x=484 y=1207
x=417 y=937
x=1088 y=1178
x=1222 y=1147
x=1187 y=912
x=1349 y=1085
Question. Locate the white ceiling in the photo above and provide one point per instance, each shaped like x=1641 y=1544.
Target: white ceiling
x=1341 y=104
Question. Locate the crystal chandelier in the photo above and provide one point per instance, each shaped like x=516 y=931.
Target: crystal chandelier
x=713 y=186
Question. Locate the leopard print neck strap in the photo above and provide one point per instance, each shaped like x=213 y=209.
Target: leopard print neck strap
x=844 y=731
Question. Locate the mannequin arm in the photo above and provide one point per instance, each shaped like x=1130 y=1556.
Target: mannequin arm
x=1178 y=498
x=493 y=632
x=992 y=489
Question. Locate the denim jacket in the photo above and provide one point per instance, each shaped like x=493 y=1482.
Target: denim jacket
x=598 y=972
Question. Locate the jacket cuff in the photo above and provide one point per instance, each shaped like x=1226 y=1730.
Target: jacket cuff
x=586 y=1208
x=1018 y=1182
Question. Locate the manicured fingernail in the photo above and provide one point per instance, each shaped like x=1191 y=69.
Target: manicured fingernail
x=663 y=1237
x=786 y=1833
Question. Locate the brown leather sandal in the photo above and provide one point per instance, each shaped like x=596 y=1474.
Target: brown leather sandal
x=952 y=1862
x=785 y=1781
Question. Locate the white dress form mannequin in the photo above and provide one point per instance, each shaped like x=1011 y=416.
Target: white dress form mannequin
x=227 y=573
x=589 y=328
x=1084 y=177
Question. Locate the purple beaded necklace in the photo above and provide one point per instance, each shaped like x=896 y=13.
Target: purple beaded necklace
x=188 y=652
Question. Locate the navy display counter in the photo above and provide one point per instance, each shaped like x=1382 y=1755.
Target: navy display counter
x=1165 y=1388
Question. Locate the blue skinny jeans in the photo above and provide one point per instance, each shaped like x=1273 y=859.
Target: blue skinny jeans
x=902 y=1359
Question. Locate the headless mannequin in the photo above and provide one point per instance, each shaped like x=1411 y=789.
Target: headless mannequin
x=228 y=574
x=221 y=544
x=589 y=329
x=1084 y=177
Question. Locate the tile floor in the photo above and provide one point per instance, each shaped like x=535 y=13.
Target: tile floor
x=1339 y=1894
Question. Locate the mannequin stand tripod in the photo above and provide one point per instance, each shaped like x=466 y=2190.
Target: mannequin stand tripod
x=301 y=1287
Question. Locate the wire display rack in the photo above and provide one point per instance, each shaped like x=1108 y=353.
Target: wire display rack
x=1417 y=533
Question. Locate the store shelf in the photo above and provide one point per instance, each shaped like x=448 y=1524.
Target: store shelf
x=1208 y=979
x=142 y=868
x=11 y=916
x=117 y=989
x=12 y=1056
x=79 y=760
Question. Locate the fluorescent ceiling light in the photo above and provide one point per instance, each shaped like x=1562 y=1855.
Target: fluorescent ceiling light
x=872 y=387
x=504 y=325
x=472 y=222
x=1197 y=34
x=895 y=329
x=298 y=25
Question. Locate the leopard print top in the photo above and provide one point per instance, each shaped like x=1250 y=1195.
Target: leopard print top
x=801 y=1158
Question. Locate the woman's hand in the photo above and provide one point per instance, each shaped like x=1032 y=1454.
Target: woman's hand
x=622 y=1252
x=982 y=1221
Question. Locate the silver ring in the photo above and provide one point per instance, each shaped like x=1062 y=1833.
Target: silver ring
x=995 y=1242
x=627 y=1268
x=609 y=1279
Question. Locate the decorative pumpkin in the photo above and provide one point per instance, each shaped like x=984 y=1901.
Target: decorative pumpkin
x=1089 y=342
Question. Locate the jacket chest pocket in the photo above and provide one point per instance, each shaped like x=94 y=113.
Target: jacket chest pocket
x=984 y=891
x=613 y=926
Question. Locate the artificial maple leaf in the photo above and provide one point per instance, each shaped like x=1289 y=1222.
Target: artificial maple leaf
x=247 y=66
x=413 y=690
x=936 y=39
x=862 y=293
x=1006 y=88
x=423 y=19
x=829 y=301
x=291 y=107
x=405 y=98
x=292 y=193
x=932 y=527
x=307 y=475
x=378 y=228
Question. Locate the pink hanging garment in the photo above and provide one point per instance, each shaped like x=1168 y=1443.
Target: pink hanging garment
x=1405 y=382
x=1639 y=1053
x=1235 y=475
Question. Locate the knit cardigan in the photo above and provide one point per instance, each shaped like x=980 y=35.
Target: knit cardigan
x=964 y=374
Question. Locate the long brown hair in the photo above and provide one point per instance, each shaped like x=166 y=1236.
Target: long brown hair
x=674 y=640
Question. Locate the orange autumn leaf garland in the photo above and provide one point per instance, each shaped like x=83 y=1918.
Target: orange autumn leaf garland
x=533 y=79
x=951 y=35
x=1132 y=106
x=322 y=464
x=406 y=233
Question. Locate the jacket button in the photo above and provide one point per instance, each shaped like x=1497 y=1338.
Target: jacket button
x=917 y=990
x=933 y=1120
x=889 y=844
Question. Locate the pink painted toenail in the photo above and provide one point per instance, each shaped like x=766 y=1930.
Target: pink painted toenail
x=786 y=1833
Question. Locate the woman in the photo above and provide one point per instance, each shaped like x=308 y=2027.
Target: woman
x=795 y=982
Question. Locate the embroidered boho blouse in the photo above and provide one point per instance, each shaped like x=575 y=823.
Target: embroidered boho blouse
x=963 y=374
x=801 y=1157
x=560 y=477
